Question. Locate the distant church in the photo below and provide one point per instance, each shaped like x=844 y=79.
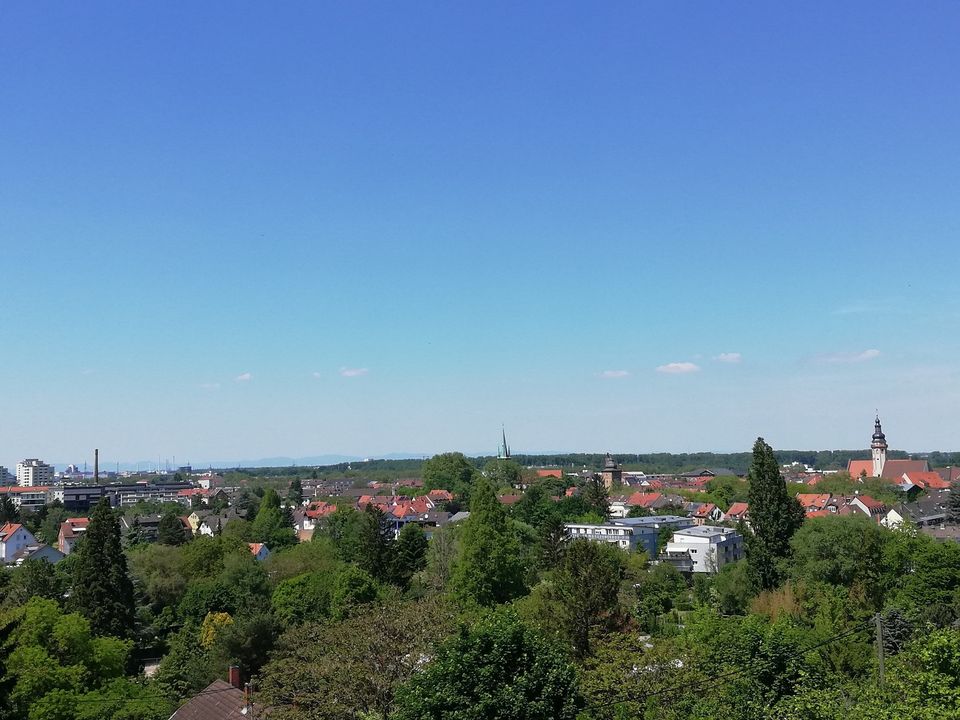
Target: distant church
x=878 y=465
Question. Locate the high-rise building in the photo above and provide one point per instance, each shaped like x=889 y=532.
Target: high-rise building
x=6 y=478
x=33 y=473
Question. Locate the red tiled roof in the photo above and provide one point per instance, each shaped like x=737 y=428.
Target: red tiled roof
x=814 y=500
x=818 y=513
x=440 y=494
x=71 y=527
x=255 y=547
x=9 y=529
x=927 y=479
x=870 y=503
x=704 y=510
x=858 y=467
x=19 y=489
x=738 y=509
x=509 y=499
x=550 y=473
x=642 y=499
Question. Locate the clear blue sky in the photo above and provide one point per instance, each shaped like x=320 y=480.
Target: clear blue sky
x=238 y=229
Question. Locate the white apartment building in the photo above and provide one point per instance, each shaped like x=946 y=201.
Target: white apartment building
x=32 y=473
x=629 y=534
x=709 y=547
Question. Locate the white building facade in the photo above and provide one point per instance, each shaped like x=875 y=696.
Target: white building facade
x=710 y=547
x=33 y=473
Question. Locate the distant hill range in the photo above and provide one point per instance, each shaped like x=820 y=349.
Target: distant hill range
x=650 y=463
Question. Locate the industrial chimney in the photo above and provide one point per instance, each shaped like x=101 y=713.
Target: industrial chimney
x=96 y=466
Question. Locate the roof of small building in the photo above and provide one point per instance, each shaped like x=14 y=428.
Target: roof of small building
x=218 y=701
x=738 y=509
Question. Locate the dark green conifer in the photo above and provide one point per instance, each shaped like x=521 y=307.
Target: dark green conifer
x=102 y=591
x=774 y=518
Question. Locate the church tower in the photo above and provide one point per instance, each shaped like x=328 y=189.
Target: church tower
x=878 y=448
x=503 y=452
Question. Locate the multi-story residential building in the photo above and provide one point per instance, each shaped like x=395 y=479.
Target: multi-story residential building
x=30 y=499
x=6 y=477
x=628 y=533
x=124 y=495
x=33 y=472
x=708 y=547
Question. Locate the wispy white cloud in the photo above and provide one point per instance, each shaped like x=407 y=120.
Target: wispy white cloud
x=848 y=358
x=353 y=372
x=317 y=374
x=244 y=377
x=612 y=374
x=678 y=368
x=729 y=357
x=210 y=386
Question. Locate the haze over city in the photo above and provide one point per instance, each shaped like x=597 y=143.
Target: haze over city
x=247 y=231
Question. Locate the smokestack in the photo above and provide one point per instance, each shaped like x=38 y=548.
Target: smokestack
x=96 y=466
x=234 y=677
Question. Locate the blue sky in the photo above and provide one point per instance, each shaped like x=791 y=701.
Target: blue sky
x=236 y=230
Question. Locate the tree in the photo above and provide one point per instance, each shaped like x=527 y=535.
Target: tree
x=305 y=598
x=596 y=497
x=498 y=669
x=585 y=586
x=953 y=504
x=450 y=471
x=553 y=539
x=295 y=494
x=8 y=511
x=843 y=551
x=488 y=569
x=352 y=588
x=503 y=473
x=774 y=517
x=170 y=530
x=351 y=669
x=441 y=557
x=50 y=527
x=409 y=554
x=102 y=590
x=271 y=526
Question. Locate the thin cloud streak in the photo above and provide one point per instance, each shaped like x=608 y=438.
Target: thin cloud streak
x=729 y=357
x=678 y=368
x=848 y=358
x=353 y=372
x=613 y=374
x=244 y=377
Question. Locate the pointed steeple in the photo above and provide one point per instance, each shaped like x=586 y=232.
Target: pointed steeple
x=503 y=452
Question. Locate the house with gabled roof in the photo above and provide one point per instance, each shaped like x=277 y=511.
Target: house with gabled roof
x=14 y=537
x=736 y=512
x=813 y=502
x=871 y=507
x=71 y=530
x=259 y=551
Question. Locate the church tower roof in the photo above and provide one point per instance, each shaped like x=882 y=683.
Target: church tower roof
x=879 y=440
